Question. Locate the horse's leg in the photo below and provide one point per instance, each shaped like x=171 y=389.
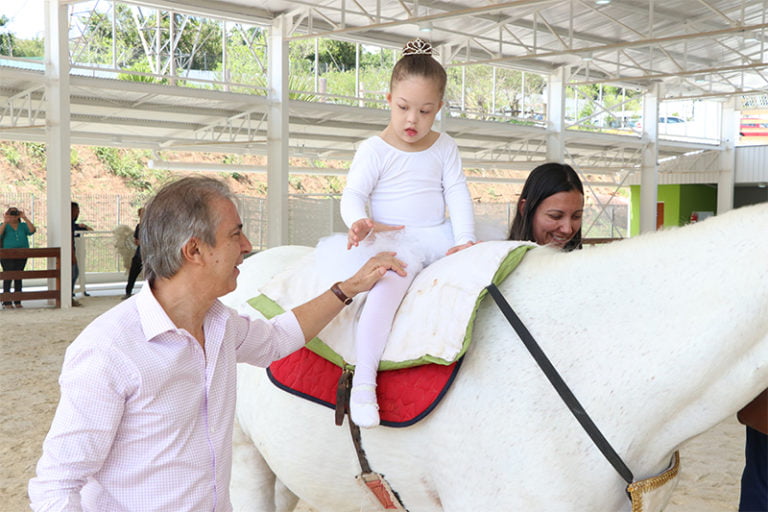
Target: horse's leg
x=252 y=487
x=285 y=500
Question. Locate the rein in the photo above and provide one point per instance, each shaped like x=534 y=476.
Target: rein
x=560 y=386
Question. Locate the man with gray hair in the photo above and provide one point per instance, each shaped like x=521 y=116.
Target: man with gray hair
x=148 y=388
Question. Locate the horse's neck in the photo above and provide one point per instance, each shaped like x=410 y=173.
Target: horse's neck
x=663 y=335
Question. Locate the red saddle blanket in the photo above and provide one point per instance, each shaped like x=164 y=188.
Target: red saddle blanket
x=405 y=396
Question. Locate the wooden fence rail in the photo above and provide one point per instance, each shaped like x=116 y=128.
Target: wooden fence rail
x=41 y=252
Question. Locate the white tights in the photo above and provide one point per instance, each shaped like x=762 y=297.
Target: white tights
x=374 y=326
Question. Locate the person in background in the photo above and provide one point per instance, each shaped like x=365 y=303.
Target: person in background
x=146 y=414
x=75 y=267
x=136 y=266
x=550 y=208
x=14 y=234
x=754 y=479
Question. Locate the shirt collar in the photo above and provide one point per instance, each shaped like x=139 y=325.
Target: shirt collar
x=155 y=321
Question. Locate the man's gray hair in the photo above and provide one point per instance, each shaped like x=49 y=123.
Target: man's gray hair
x=179 y=211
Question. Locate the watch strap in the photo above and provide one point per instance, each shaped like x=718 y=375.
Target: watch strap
x=340 y=294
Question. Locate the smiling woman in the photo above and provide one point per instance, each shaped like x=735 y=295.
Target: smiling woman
x=550 y=208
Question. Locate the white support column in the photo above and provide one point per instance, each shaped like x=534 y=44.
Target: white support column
x=556 y=114
x=649 y=170
x=441 y=121
x=277 y=135
x=358 y=84
x=58 y=140
x=729 y=132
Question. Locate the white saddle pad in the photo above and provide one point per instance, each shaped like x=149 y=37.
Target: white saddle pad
x=433 y=320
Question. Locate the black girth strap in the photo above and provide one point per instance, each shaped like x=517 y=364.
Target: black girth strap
x=560 y=386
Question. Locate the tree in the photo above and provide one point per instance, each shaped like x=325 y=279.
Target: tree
x=6 y=37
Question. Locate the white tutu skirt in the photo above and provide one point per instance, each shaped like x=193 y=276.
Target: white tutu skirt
x=416 y=246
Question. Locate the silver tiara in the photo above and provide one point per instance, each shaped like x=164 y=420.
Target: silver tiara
x=417 y=46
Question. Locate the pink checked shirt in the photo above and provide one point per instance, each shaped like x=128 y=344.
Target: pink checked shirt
x=145 y=417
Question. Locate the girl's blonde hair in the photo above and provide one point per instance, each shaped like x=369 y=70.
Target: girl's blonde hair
x=417 y=60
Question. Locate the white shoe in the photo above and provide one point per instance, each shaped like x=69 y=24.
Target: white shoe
x=364 y=412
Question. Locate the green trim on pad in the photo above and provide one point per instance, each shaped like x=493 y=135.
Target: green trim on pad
x=269 y=308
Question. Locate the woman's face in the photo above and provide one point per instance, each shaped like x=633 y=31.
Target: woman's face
x=558 y=218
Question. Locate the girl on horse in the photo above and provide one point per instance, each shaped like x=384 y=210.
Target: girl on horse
x=399 y=185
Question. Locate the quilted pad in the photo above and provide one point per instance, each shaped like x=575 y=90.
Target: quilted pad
x=447 y=293
x=405 y=396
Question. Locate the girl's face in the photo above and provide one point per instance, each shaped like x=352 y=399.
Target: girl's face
x=414 y=103
x=558 y=218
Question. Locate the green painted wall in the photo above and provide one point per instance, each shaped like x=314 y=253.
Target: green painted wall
x=679 y=201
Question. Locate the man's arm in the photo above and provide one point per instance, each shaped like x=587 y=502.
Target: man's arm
x=314 y=315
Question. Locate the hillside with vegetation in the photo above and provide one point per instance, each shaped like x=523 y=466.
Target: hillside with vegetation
x=107 y=170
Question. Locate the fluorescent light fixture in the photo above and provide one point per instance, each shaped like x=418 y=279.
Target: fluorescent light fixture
x=425 y=26
x=587 y=57
x=602 y=2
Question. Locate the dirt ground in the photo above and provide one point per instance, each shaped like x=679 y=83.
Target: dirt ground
x=31 y=352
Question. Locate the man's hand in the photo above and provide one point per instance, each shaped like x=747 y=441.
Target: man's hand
x=315 y=314
x=371 y=272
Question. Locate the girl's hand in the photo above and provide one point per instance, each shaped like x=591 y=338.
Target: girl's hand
x=459 y=248
x=358 y=231
x=363 y=228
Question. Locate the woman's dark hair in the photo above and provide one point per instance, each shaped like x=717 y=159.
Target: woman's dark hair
x=417 y=60
x=545 y=180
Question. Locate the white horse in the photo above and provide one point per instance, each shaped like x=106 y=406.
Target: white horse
x=661 y=337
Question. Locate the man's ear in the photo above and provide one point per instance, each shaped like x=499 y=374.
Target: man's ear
x=191 y=251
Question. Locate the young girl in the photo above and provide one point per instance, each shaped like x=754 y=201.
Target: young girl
x=406 y=176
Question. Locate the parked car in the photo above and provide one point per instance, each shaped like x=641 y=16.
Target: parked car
x=667 y=125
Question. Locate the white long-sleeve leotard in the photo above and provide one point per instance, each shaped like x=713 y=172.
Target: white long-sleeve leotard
x=409 y=188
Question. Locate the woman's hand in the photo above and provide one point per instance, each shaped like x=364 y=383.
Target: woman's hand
x=458 y=248
x=363 y=228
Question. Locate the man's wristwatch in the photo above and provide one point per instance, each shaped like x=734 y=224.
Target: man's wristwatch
x=340 y=294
